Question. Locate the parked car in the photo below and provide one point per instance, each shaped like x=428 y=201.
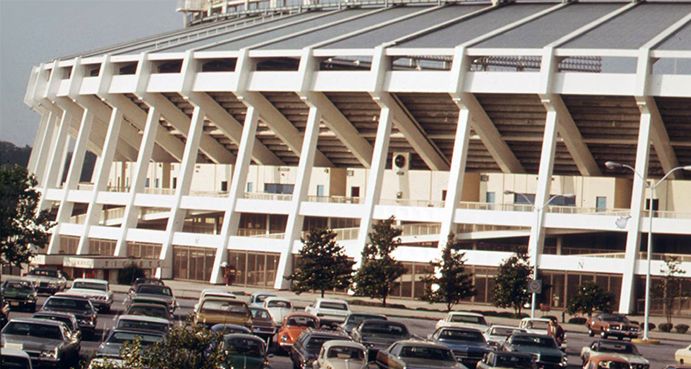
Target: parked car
x=47 y=342
x=278 y=308
x=68 y=318
x=145 y=280
x=15 y=359
x=213 y=310
x=463 y=319
x=306 y=348
x=100 y=362
x=47 y=280
x=164 y=293
x=379 y=334
x=81 y=307
x=262 y=324
x=468 y=344
x=496 y=335
x=257 y=298
x=615 y=325
x=245 y=351
x=150 y=310
x=143 y=323
x=19 y=294
x=212 y=292
x=418 y=355
x=96 y=290
x=340 y=354
x=113 y=343
x=506 y=360
x=4 y=311
x=224 y=329
x=146 y=300
x=329 y=310
x=354 y=319
x=607 y=362
x=535 y=325
x=623 y=350
x=683 y=355
x=293 y=326
x=543 y=347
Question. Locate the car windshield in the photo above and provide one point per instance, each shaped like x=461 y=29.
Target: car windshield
x=459 y=335
x=357 y=318
x=386 y=329
x=333 y=306
x=122 y=337
x=244 y=346
x=154 y=311
x=44 y=273
x=460 y=318
x=224 y=307
x=90 y=286
x=614 y=318
x=49 y=332
x=68 y=304
x=18 y=285
x=64 y=319
x=429 y=353
x=279 y=304
x=155 y=290
x=260 y=314
x=302 y=321
x=14 y=362
x=345 y=352
x=619 y=348
x=506 y=361
x=537 y=324
x=155 y=301
x=140 y=324
x=505 y=332
x=139 y=281
x=537 y=341
x=315 y=343
x=261 y=298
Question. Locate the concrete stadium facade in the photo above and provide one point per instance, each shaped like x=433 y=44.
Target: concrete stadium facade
x=463 y=90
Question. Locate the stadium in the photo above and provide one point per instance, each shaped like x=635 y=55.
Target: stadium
x=219 y=144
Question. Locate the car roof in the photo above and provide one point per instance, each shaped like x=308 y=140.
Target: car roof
x=326 y=333
x=327 y=345
x=468 y=313
x=378 y=321
x=15 y=352
x=243 y=336
x=332 y=300
x=278 y=298
x=422 y=343
x=144 y=318
x=546 y=320
x=462 y=329
x=147 y=305
x=531 y=334
x=65 y=295
x=37 y=321
x=368 y=314
x=91 y=280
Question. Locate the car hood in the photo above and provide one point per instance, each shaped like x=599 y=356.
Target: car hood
x=542 y=351
x=41 y=278
x=628 y=357
x=16 y=294
x=341 y=364
x=292 y=332
x=32 y=343
x=415 y=363
x=464 y=345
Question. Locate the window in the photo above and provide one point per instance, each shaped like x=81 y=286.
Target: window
x=249 y=186
x=320 y=190
x=224 y=186
x=355 y=192
x=600 y=203
x=156 y=183
x=175 y=183
x=489 y=197
x=146 y=184
x=656 y=204
x=524 y=199
x=443 y=195
x=278 y=188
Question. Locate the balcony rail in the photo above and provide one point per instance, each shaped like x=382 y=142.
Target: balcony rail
x=335 y=199
x=666 y=214
x=268 y=196
x=418 y=203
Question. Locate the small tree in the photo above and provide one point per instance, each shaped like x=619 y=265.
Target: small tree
x=669 y=289
x=130 y=273
x=511 y=283
x=451 y=282
x=323 y=264
x=590 y=298
x=379 y=271
x=22 y=224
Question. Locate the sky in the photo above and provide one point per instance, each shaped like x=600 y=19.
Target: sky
x=36 y=31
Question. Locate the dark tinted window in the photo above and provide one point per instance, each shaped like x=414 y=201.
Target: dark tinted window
x=244 y=346
x=155 y=290
x=44 y=272
x=384 y=328
x=71 y=304
x=429 y=353
x=458 y=335
x=50 y=332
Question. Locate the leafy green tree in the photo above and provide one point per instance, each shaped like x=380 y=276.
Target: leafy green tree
x=511 y=283
x=451 y=284
x=379 y=271
x=22 y=224
x=323 y=264
x=590 y=298
x=669 y=289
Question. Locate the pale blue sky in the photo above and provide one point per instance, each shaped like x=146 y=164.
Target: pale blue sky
x=35 y=31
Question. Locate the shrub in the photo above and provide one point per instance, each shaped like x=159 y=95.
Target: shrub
x=578 y=320
x=128 y=274
x=635 y=322
x=665 y=327
x=681 y=328
x=651 y=326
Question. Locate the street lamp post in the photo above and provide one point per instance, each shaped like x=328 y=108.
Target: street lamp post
x=538 y=226
x=616 y=166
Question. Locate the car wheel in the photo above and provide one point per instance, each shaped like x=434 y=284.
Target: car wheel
x=590 y=332
x=603 y=334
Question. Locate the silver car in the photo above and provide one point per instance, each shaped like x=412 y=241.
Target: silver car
x=47 y=280
x=47 y=342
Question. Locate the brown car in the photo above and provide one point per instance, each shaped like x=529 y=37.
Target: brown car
x=262 y=324
x=614 y=325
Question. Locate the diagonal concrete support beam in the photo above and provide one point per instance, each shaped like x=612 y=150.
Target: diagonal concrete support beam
x=571 y=136
x=660 y=137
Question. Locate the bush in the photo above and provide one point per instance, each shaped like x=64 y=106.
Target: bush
x=128 y=274
x=665 y=327
x=681 y=328
x=635 y=322
x=651 y=326
x=578 y=320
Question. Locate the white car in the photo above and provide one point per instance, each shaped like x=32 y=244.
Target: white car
x=619 y=349
x=329 y=310
x=497 y=334
x=96 y=290
x=337 y=354
x=463 y=319
x=683 y=355
x=215 y=292
x=535 y=325
x=278 y=308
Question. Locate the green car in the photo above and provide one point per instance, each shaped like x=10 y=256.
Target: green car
x=19 y=294
x=245 y=351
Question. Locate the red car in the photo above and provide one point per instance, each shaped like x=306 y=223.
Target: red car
x=614 y=325
x=293 y=326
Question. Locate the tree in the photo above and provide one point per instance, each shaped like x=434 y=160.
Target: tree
x=323 y=264
x=379 y=271
x=451 y=281
x=130 y=273
x=22 y=225
x=669 y=289
x=511 y=283
x=590 y=298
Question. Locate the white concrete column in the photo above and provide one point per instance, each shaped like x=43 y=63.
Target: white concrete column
x=56 y=154
x=302 y=182
x=44 y=146
x=131 y=215
x=100 y=178
x=38 y=140
x=177 y=215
